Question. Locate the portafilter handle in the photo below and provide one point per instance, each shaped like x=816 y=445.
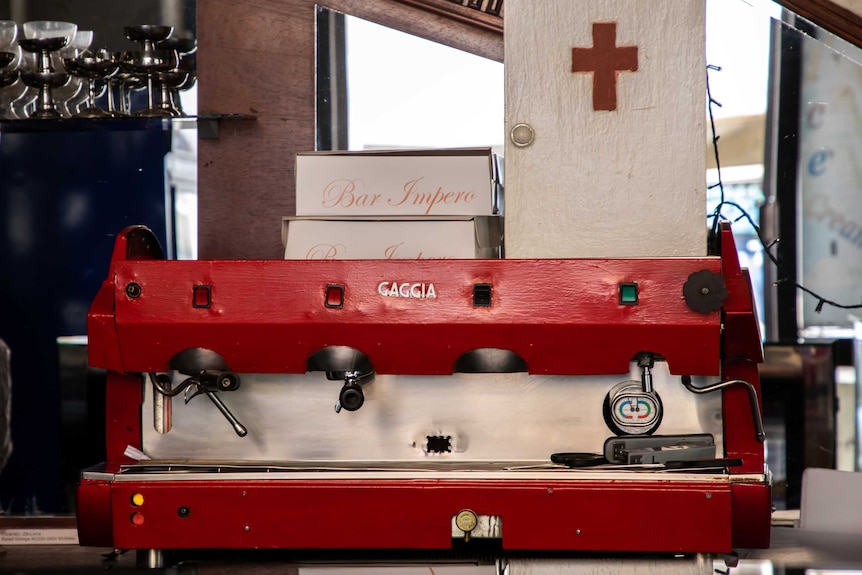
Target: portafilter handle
x=238 y=427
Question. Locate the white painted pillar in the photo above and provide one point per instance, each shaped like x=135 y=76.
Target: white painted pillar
x=607 y=164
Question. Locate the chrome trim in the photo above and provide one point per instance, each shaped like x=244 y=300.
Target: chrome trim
x=98 y=476
x=324 y=474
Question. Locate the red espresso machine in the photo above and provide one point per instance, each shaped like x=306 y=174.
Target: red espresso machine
x=572 y=405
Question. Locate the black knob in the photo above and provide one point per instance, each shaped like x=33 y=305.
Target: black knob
x=228 y=382
x=705 y=291
x=351 y=397
x=219 y=381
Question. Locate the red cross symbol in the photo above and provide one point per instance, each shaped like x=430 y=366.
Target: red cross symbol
x=605 y=60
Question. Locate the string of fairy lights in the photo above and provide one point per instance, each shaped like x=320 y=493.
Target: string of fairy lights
x=717 y=215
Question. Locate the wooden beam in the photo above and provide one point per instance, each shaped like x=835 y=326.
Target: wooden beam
x=830 y=16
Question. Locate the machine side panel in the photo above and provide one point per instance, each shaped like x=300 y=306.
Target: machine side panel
x=104 y=348
x=752 y=515
x=124 y=395
x=93 y=505
x=742 y=351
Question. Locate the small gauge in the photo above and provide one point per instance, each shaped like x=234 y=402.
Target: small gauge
x=628 y=410
x=466 y=520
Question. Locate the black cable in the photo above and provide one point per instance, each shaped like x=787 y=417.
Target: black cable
x=578 y=459
x=717 y=215
x=715 y=137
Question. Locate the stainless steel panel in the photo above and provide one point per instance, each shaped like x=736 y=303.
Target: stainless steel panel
x=489 y=417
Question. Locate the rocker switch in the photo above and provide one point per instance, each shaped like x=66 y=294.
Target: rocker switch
x=202 y=296
x=481 y=295
x=334 y=296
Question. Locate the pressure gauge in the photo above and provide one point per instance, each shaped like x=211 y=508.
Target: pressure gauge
x=628 y=410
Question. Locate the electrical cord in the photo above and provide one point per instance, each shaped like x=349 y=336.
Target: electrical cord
x=717 y=215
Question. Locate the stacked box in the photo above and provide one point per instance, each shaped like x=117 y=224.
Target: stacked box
x=396 y=204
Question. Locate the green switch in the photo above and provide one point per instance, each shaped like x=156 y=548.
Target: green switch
x=628 y=293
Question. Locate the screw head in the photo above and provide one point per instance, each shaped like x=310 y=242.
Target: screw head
x=522 y=135
x=133 y=290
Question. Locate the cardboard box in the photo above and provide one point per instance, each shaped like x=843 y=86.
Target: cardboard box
x=397 y=183
x=416 y=238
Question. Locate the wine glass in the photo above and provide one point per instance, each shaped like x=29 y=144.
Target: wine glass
x=169 y=83
x=148 y=35
x=110 y=86
x=8 y=77
x=45 y=78
x=49 y=29
x=25 y=97
x=9 y=54
x=92 y=67
x=45 y=38
x=151 y=65
x=66 y=97
x=183 y=77
x=11 y=87
x=150 y=61
x=125 y=83
x=8 y=34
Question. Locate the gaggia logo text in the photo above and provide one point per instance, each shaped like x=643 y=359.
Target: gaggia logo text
x=413 y=290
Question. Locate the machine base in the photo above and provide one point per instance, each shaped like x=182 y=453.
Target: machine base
x=146 y=507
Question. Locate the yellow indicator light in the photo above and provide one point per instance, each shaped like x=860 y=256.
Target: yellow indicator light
x=137 y=499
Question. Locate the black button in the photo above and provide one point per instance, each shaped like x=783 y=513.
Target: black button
x=481 y=295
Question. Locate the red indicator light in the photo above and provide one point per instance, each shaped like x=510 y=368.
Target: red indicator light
x=202 y=296
x=137 y=519
x=334 y=296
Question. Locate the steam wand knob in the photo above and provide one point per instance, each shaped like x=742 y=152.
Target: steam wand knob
x=351 y=397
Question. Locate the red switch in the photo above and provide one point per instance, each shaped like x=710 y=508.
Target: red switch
x=334 y=296
x=202 y=296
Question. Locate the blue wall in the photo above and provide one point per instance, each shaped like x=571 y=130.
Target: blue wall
x=63 y=197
